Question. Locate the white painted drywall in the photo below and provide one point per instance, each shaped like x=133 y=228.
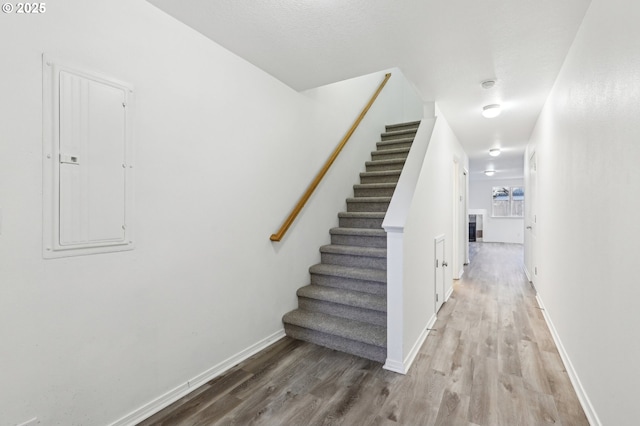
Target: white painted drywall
x=403 y=195
x=586 y=143
x=222 y=152
x=445 y=47
x=431 y=215
x=495 y=229
x=412 y=229
x=394 y=223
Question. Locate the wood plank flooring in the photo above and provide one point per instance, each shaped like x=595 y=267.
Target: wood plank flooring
x=491 y=362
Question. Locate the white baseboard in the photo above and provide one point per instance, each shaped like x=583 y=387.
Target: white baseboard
x=163 y=401
x=588 y=408
x=403 y=367
x=447 y=296
x=411 y=356
x=395 y=366
x=33 y=422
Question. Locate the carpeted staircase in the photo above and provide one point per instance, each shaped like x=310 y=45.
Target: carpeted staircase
x=345 y=306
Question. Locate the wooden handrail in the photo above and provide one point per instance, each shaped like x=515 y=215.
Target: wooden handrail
x=305 y=197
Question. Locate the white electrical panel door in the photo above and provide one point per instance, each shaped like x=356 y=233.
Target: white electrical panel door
x=88 y=197
x=92 y=155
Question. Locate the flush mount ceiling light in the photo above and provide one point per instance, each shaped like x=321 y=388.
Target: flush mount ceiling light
x=491 y=111
x=494 y=152
x=489 y=172
x=488 y=84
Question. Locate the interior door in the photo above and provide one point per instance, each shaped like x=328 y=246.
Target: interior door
x=464 y=223
x=531 y=218
x=440 y=263
x=460 y=221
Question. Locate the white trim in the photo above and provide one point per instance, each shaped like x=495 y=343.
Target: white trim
x=466 y=260
x=526 y=272
x=403 y=367
x=395 y=366
x=436 y=240
x=449 y=293
x=163 y=401
x=395 y=302
x=394 y=229
x=34 y=421
x=588 y=408
x=411 y=356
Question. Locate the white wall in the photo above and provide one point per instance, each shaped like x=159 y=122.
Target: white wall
x=410 y=243
x=425 y=222
x=586 y=144
x=495 y=229
x=223 y=151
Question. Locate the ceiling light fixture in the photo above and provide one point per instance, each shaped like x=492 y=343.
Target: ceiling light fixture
x=491 y=111
x=489 y=172
x=494 y=152
x=488 y=84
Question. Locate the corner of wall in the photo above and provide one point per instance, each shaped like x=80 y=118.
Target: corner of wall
x=429 y=109
x=585 y=402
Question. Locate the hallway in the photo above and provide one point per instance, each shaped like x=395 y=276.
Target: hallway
x=490 y=361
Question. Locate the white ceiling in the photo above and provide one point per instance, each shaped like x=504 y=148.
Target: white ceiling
x=445 y=47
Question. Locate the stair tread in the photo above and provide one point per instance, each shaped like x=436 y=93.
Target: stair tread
x=369 y=200
x=390 y=151
x=358 y=299
x=395 y=141
x=380 y=173
x=381 y=162
x=375 y=185
x=367 y=232
x=354 y=250
x=345 y=305
x=354 y=330
x=399 y=132
x=350 y=272
x=363 y=215
x=408 y=123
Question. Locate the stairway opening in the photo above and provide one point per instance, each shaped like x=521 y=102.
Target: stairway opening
x=345 y=305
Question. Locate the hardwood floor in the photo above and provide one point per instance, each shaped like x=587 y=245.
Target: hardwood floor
x=491 y=362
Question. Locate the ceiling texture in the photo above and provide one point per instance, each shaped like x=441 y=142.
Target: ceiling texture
x=446 y=48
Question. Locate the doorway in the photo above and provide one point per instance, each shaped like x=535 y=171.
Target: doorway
x=440 y=263
x=460 y=247
x=531 y=218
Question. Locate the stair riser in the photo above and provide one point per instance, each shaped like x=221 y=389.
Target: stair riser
x=381 y=155
x=383 y=146
x=379 y=179
x=350 y=312
x=364 y=286
x=373 y=192
x=384 y=167
x=367 y=207
x=374 y=353
x=359 y=240
x=354 y=261
x=401 y=135
x=411 y=127
x=350 y=222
